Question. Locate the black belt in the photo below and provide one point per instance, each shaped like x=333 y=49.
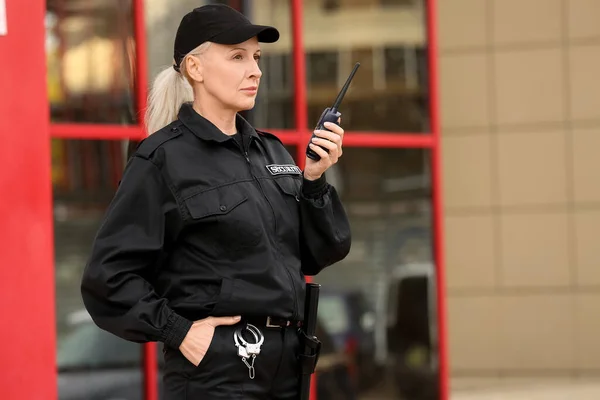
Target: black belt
x=272 y=322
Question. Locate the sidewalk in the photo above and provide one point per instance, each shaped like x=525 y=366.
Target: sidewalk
x=546 y=389
x=512 y=389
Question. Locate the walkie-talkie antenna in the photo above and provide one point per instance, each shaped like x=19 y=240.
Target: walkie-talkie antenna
x=342 y=93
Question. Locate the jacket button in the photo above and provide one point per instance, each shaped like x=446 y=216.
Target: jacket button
x=223 y=208
x=174 y=129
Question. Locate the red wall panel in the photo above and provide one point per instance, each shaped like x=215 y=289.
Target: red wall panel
x=27 y=327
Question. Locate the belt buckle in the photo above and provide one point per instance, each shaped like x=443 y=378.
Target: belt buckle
x=269 y=325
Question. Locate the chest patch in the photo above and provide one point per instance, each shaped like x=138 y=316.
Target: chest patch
x=286 y=169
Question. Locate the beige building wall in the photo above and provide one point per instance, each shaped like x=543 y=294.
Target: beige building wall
x=520 y=102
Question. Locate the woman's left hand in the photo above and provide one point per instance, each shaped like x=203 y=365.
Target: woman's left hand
x=331 y=139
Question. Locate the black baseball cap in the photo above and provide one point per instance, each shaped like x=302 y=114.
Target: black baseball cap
x=217 y=23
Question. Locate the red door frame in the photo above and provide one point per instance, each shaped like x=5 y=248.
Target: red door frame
x=300 y=137
x=27 y=289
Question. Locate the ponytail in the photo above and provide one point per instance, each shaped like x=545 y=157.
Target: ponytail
x=169 y=91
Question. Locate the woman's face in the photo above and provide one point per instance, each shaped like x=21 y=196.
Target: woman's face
x=230 y=74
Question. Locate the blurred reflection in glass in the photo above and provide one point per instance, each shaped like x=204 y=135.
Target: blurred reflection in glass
x=91 y=363
x=274 y=107
x=90 y=55
x=388 y=38
x=379 y=303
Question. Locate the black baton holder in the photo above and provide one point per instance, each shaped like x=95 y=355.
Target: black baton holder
x=310 y=344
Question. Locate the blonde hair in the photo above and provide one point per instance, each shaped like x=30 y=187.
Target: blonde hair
x=169 y=91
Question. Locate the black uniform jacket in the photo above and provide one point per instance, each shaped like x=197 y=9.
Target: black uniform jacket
x=200 y=226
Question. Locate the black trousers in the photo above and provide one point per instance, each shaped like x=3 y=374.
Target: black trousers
x=222 y=375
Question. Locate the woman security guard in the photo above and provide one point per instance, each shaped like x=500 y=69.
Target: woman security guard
x=213 y=226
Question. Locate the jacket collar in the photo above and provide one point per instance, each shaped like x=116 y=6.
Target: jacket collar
x=206 y=130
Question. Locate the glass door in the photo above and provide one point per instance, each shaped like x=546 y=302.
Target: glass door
x=96 y=85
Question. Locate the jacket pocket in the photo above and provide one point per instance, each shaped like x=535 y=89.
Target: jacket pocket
x=224 y=217
x=273 y=295
x=290 y=186
x=218 y=201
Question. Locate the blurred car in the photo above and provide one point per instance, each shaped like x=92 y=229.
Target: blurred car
x=96 y=365
x=349 y=320
x=412 y=331
x=333 y=370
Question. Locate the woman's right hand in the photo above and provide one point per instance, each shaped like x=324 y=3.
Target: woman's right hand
x=198 y=339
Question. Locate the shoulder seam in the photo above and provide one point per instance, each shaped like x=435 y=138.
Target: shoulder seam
x=172 y=189
x=157 y=139
x=268 y=134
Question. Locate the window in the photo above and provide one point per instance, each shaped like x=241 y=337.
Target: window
x=387 y=93
x=90 y=54
x=85 y=175
x=321 y=67
x=387 y=195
